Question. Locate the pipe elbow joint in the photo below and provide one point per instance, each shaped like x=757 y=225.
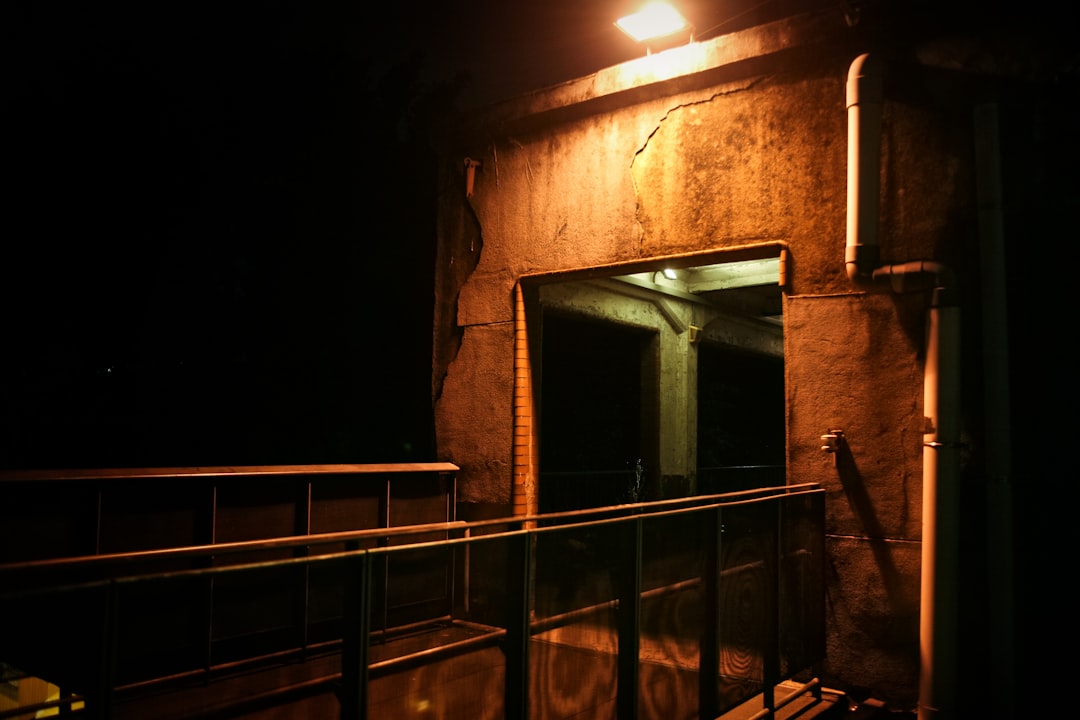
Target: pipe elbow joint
x=861 y=261
x=915 y=274
x=865 y=80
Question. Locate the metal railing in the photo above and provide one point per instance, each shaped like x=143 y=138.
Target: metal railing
x=64 y=513
x=732 y=478
x=682 y=607
x=577 y=489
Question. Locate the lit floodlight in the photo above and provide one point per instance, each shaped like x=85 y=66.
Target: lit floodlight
x=654 y=20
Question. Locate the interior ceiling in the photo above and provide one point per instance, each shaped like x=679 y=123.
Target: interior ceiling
x=750 y=288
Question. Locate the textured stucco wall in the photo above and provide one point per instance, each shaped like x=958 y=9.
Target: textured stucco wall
x=756 y=158
x=849 y=366
x=544 y=202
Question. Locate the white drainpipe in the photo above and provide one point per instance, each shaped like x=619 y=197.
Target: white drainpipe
x=941 y=402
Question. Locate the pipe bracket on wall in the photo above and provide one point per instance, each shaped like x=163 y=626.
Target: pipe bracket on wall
x=831 y=442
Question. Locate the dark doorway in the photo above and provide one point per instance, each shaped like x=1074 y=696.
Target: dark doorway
x=591 y=412
x=741 y=428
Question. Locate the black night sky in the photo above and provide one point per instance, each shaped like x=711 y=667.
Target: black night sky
x=222 y=253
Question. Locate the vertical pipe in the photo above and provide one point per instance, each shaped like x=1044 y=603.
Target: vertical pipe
x=997 y=410
x=940 y=542
x=864 y=99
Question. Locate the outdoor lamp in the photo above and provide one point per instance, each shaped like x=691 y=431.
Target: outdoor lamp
x=653 y=20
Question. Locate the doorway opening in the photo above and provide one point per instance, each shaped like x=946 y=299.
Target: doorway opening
x=593 y=413
x=658 y=380
x=741 y=433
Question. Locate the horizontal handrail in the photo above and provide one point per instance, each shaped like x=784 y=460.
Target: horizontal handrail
x=239 y=546
x=89 y=557
x=695 y=500
x=489 y=639
x=654 y=508
x=223 y=471
x=551 y=622
x=234 y=666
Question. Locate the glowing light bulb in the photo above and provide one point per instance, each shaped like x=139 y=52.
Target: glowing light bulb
x=654 y=20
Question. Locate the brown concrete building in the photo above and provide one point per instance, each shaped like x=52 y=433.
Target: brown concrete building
x=846 y=202
x=813 y=255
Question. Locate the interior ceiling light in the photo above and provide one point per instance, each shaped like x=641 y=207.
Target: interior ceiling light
x=653 y=20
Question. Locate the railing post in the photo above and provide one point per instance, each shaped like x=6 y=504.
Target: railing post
x=709 y=669
x=518 y=615
x=302 y=526
x=817 y=511
x=356 y=633
x=100 y=706
x=628 y=576
x=771 y=651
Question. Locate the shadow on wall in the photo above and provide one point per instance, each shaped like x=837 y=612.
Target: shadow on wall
x=862 y=505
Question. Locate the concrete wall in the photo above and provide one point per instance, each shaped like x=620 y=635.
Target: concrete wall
x=745 y=145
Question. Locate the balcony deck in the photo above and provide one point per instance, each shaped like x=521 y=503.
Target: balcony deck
x=708 y=606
